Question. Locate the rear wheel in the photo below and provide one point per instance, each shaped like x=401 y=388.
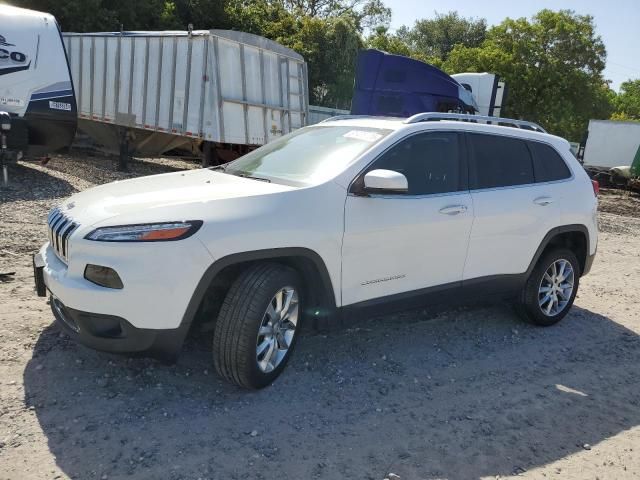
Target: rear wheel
x=551 y=288
x=257 y=325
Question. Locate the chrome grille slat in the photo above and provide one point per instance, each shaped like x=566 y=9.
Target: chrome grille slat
x=65 y=235
x=58 y=228
x=54 y=216
x=61 y=226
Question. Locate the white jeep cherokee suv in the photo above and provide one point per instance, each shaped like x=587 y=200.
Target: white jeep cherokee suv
x=348 y=214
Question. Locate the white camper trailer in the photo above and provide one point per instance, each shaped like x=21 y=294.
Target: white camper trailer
x=36 y=95
x=227 y=89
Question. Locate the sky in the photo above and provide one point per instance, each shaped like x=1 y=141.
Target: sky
x=617 y=22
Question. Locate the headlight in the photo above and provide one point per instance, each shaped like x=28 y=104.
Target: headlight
x=148 y=232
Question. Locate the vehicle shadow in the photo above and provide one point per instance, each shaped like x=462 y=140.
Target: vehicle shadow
x=26 y=183
x=465 y=394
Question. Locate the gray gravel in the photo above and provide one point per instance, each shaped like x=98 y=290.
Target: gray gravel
x=460 y=394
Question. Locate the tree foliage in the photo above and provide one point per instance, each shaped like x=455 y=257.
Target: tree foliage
x=112 y=15
x=436 y=37
x=627 y=102
x=365 y=14
x=330 y=48
x=553 y=67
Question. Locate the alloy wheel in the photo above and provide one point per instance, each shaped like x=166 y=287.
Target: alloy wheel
x=556 y=287
x=277 y=329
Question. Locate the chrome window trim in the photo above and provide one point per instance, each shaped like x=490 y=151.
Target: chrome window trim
x=403 y=196
x=524 y=185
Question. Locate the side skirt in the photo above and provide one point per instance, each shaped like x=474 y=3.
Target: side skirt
x=490 y=289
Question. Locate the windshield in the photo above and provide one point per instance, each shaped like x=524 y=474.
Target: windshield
x=308 y=156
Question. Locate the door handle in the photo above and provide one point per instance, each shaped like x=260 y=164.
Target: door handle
x=543 y=201
x=453 y=209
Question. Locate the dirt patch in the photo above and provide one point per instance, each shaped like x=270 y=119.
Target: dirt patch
x=619 y=202
x=460 y=394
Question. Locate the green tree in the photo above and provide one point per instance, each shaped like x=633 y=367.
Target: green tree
x=627 y=102
x=102 y=15
x=396 y=44
x=330 y=48
x=262 y=17
x=436 y=37
x=202 y=14
x=381 y=39
x=365 y=14
x=553 y=67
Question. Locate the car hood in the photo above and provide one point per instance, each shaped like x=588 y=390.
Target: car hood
x=154 y=197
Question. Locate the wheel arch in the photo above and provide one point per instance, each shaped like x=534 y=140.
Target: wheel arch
x=317 y=288
x=575 y=237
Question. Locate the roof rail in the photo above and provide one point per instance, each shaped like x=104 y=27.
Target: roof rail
x=429 y=116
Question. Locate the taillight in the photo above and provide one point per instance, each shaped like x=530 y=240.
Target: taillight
x=596 y=187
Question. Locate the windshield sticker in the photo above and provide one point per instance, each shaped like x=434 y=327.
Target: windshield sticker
x=363 y=135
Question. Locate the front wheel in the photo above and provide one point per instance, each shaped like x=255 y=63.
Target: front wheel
x=257 y=326
x=551 y=288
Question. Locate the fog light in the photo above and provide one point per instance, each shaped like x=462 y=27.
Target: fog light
x=103 y=276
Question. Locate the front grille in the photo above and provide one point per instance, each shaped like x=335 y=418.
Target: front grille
x=61 y=226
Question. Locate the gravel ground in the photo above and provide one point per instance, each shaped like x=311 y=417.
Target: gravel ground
x=459 y=394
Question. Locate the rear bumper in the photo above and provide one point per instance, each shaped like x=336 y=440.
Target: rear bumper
x=113 y=334
x=588 y=263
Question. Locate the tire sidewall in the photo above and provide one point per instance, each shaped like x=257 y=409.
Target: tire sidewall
x=530 y=300
x=257 y=377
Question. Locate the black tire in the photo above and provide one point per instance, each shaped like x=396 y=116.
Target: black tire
x=529 y=307
x=236 y=332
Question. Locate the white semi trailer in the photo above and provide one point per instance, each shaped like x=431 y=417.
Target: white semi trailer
x=489 y=92
x=221 y=91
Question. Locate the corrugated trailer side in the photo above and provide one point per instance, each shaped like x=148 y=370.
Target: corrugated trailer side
x=177 y=88
x=319 y=114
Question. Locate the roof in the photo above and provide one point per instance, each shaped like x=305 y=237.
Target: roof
x=23 y=12
x=233 y=35
x=393 y=123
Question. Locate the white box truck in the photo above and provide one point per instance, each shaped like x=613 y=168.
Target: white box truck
x=220 y=90
x=611 y=144
x=611 y=152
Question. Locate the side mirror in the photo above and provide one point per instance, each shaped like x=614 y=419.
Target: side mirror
x=385 y=181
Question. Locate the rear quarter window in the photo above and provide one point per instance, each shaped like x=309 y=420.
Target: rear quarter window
x=548 y=165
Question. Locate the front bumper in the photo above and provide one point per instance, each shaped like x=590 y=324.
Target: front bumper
x=148 y=314
x=113 y=334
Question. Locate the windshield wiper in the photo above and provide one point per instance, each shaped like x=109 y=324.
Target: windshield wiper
x=246 y=175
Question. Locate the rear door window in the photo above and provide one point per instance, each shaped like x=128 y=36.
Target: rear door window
x=498 y=161
x=548 y=165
